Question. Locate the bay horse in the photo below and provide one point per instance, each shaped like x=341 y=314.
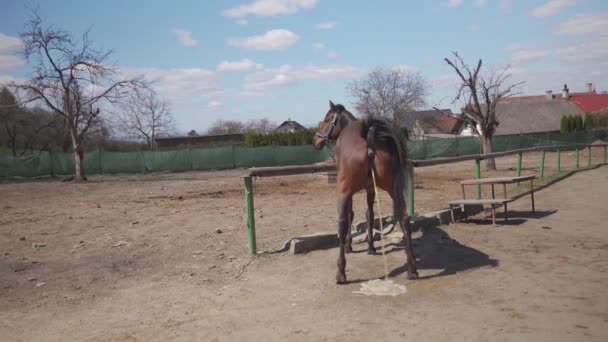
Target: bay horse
x=363 y=145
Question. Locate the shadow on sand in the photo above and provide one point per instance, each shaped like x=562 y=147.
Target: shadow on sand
x=436 y=250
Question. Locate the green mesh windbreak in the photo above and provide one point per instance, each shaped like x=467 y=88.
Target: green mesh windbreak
x=122 y=162
x=219 y=158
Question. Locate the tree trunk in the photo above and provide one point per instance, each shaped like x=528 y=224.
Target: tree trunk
x=78 y=157
x=486 y=143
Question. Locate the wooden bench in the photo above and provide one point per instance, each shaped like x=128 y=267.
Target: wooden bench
x=492 y=202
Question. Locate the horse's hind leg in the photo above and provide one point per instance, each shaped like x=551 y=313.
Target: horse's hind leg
x=369 y=215
x=348 y=248
x=345 y=203
x=412 y=272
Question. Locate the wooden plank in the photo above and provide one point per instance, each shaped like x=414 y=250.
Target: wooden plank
x=290 y=170
x=481 y=201
x=497 y=180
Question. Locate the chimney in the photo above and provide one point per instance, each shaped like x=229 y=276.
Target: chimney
x=590 y=88
x=549 y=94
x=565 y=92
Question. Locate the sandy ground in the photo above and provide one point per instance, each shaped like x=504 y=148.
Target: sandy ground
x=139 y=258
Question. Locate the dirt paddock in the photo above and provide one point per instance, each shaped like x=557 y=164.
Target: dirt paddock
x=163 y=257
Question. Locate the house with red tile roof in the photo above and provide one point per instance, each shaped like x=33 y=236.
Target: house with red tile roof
x=543 y=113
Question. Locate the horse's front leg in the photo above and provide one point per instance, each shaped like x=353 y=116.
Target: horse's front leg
x=344 y=211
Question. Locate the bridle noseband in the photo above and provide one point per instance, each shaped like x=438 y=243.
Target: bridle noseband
x=326 y=136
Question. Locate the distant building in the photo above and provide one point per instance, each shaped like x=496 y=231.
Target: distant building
x=542 y=113
x=290 y=126
x=199 y=141
x=436 y=126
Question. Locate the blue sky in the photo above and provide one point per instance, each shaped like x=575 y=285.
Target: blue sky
x=248 y=59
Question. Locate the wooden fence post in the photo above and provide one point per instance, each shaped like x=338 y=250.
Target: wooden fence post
x=559 y=161
x=589 y=156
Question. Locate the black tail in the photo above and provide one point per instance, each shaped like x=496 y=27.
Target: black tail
x=386 y=137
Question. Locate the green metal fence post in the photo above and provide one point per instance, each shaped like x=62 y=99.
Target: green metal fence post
x=559 y=161
x=577 y=157
x=250 y=216
x=604 y=154
x=542 y=164
x=589 y=156
x=519 y=158
x=478 y=175
x=410 y=190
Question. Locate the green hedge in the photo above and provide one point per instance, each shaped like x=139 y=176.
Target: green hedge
x=302 y=137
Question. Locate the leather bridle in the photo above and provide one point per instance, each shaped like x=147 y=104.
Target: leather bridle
x=327 y=136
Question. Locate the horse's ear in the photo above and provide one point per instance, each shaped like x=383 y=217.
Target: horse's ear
x=331 y=105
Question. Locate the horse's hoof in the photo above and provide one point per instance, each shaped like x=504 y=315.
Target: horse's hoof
x=341 y=279
x=371 y=251
x=412 y=275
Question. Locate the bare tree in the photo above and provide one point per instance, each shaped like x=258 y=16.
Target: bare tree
x=192 y=133
x=263 y=126
x=389 y=92
x=144 y=116
x=481 y=95
x=226 y=127
x=72 y=78
x=22 y=126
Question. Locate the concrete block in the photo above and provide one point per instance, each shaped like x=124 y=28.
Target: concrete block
x=317 y=241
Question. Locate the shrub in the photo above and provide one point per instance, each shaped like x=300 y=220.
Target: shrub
x=579 y=123
x=303 y=137
x=588 y=124
x=564 y=125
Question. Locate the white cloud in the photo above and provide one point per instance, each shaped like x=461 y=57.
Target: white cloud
x=589 y=52
x=278 y=39
x=214 y=104
x=332 y=54
x=584 y=24
x=326 y=25
x=185 y=37
x=528 y=55
x=9 y=62
x=454 y=3
x=553 y=7
x=250 y=93
x=242 y=65
x=269 y=8
x=179 y=83
x=505 y=5
x=318 y=46
x=242 y=22
x=290 y=74
x=9 y=46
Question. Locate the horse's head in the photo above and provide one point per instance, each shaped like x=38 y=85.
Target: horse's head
x=327 y=128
